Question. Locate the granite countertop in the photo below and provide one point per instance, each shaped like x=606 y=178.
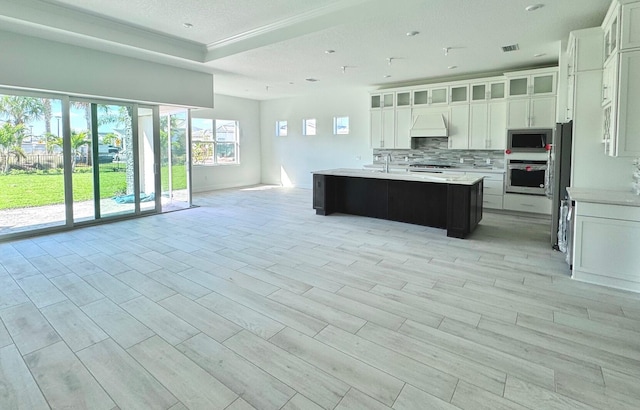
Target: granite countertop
x=487 y=170
x=603 y=196
x=442 y=178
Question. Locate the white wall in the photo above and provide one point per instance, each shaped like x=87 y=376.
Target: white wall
x=247 y=112
x=45 y=65
x=290 y=160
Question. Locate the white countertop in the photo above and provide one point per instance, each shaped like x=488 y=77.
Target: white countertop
x=442 y=178
x=403 y=168
x=603 y=196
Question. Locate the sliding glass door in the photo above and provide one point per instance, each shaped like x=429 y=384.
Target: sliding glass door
x=70 y=161
x=32 y=185
x=174 y=158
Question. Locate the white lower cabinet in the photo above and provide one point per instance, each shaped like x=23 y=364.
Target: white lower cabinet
x=606 y=245
x=527 y=203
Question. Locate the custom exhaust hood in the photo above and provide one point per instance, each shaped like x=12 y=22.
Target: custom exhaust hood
x=429 y=125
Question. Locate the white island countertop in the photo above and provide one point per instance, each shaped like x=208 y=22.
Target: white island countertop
x=603 y=196
x=458 y=169
x=442 y=178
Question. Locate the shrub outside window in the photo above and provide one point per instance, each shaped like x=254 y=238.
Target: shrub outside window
x=219 y=147
x=309 y=126
x=341 y=125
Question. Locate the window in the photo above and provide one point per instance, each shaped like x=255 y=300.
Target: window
x=214 y=142
x=309 y=126
x=281 y=128
x=341 y=125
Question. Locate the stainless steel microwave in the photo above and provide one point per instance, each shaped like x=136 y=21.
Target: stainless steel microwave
x=529 y=140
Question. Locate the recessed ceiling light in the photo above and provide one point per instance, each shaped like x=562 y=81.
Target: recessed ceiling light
x=412 y=33
x=329 y=51
x=291 y=83
x=534 y=7
x=539 y=55
x=452 y=67
x=187 y=25
x=386 y=76
x=311 y=80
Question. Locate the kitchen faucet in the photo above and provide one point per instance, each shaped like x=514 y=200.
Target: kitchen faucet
x=387 y=159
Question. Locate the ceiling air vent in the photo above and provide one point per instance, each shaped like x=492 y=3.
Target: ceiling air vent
x=513 y=47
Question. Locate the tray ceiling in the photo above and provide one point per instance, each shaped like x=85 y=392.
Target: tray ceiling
x=266 y=49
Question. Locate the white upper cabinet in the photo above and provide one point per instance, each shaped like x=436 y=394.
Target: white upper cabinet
x=485 y=91
x=532 y=83
x=621 y=27
x=625 y=140
x=487 y=125
x=403 y=99
x=382 y=128
x=532 y=99
x=458 y=127
x=611 y=26
x=431 y=96
x=538 y=112
x=621 y=79
x=382 y=100
x=630 y=29
x=403 y=124
x=459 y=94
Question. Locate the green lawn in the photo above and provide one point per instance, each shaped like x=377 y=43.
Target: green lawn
x=27 y=190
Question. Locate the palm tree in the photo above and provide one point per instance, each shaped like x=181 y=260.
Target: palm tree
x=78 y=139
x=46 y=111
x=11 y=142
x=21 y=110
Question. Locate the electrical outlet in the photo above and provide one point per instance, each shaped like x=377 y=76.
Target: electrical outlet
x=461 y=160
x=488 y=161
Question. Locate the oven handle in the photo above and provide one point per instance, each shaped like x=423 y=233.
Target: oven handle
x=525 y=167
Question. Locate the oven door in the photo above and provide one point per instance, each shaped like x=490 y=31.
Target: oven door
x=526 y=177
x=529 y=140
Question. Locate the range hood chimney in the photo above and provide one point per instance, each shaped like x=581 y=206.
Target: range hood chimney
x=429 y=125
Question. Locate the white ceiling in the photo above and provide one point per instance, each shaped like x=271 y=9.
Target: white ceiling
x=265 y=49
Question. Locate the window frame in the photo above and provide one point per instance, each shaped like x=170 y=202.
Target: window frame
x=211 y=157
x=306 y=123
x=279 y=124
x=335 y=125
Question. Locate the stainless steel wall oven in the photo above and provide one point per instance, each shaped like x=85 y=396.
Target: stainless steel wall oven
x=526 y=176
x=529 y=140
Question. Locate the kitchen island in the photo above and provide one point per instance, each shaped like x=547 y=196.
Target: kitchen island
x=440 y=200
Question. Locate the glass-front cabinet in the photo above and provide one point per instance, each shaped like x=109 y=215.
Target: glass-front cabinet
x=403 y=99
x=532 y=85
x=459 y=94
x=610 y=28
x=429 y=96
x=488 y=91
x=384 y=100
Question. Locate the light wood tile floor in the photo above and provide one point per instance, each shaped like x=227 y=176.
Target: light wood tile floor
x=251 y=301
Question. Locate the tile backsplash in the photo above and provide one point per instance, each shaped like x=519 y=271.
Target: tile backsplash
x=435 y=151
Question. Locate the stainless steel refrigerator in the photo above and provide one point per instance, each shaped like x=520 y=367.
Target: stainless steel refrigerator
x=559 y=167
